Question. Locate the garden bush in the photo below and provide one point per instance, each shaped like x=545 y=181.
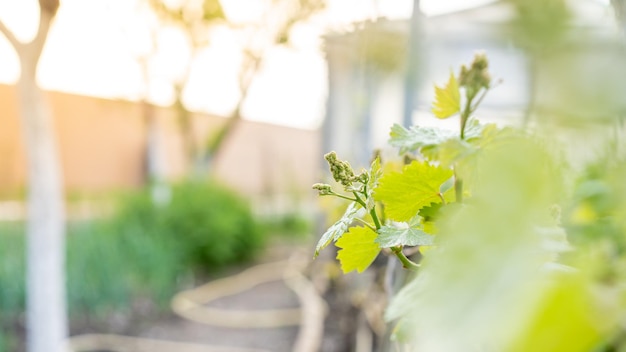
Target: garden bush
x=287 y=226
x=210 y=225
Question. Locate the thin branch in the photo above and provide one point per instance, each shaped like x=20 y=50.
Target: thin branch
x=484 y=93
x=10 y=36
x=39 y=41
x=342 y=196
x=480 y=99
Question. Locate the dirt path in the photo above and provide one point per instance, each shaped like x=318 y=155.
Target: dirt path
x=269 y=307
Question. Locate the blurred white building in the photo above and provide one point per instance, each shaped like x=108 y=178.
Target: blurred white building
x=366 y=95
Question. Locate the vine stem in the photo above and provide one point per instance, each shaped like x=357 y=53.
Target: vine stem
x=480 y=99
x=366 y=224
x=458 y=188
x=342 y=196
x=465 y=115
x=406 y=262
x=397 y=251
x=372 y=212
x=443 y=199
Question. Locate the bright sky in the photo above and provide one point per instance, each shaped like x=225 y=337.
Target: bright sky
x=93 y=45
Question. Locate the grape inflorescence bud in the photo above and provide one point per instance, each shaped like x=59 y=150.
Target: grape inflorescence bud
x=477 y=75
x=341 y=170
x=323 y=189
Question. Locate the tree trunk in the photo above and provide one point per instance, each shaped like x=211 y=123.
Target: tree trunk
x=412 y=69
x=46 y=313
x=45 y=230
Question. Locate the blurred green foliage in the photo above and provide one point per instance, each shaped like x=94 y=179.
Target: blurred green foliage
x=290 y=225
x=379 y=49
x=106 y=269
x=132 y=263
x=210 y=225
x=111 y=268
x=540 y=25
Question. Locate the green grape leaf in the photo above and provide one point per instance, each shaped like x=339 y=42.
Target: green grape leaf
x=374 y=175
x=417 y=186
x=340 y=227
x=474 y=129
x=447 y=99
x=430 y=212
x=403 y=235
x=453 y=151
x=447 y=186
x=358 y=249
x=428 y=139
x=416 y=137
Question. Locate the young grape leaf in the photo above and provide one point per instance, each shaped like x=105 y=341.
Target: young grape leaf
x=427 y=139
x=430 y=212
x=447 y=186
x=417 y=186
x=416 y=137
x=358 y=249
x=474 y=129
x=447 y=99
x=374 y=176
x=391 y=236
x=340 y=227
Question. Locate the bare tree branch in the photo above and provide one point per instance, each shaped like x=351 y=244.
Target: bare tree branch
x=49 y=6
x=47 y=11
x=10 y=36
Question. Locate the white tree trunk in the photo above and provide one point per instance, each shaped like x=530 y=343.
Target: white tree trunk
x=46 y=312
x=46 y=307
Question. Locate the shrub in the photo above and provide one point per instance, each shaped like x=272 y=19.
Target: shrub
x=211 y=226
x=291 y=225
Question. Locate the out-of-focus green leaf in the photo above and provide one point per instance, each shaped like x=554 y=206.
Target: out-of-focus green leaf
x=447 y=99
x=483 y=284
x=340 y=227
x=405 y=193
x=565 y=319
x=553 y=239
x=391 y=236
x=358 y=249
